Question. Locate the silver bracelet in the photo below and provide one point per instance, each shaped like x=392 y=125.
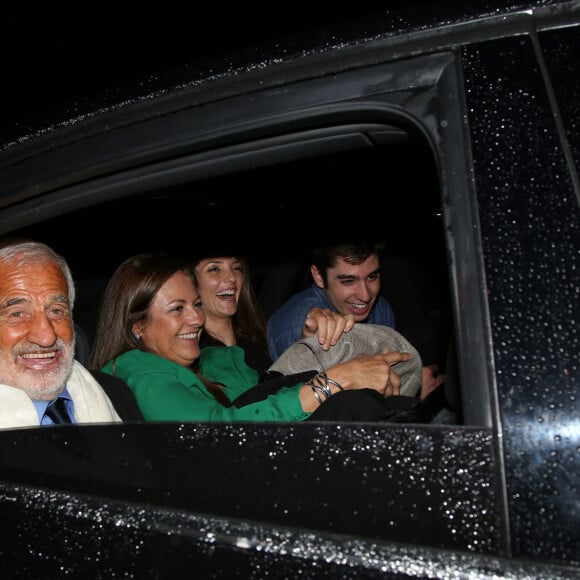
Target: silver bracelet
x=338 y=385
x=328 y=381
x=325 y=388
x=315 y=391
x=318 y=388
x=320 y=383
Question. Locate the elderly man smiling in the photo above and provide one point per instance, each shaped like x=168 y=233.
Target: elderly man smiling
x=40 y=382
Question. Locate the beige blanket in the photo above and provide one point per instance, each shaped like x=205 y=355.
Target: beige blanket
x=91 y=403
x=307 y=354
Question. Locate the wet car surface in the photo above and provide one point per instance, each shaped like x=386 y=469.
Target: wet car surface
x=457 y=131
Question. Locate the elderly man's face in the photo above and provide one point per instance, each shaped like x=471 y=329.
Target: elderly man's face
x=36 y=331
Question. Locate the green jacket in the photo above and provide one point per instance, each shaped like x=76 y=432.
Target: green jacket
x=167 y=391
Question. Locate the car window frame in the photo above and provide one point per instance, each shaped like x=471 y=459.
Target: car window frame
x=191 y=144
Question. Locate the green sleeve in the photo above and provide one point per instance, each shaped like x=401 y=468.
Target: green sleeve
x=166 y=391
x=161 y=397
x=227 y=365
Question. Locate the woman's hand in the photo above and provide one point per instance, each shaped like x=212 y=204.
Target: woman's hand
x=370 y=372
x=363 y=372
x=327 y=325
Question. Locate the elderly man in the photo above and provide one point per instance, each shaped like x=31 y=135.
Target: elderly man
x=40 y=382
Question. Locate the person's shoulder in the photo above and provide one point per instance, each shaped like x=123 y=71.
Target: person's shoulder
x=303 y=300
x=106 y=379
x=382 y=312
x=306 y=294
x=383 y=302
x=120 y=395
x=220 y=351
x=138 y=361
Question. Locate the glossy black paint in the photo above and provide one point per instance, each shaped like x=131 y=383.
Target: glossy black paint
x=562 y=54
x=497 y=99
x=134 y=541
x=530 y=233
x=310 y=477
x=81 y=63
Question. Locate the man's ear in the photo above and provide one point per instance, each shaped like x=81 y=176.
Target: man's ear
x=317 y=277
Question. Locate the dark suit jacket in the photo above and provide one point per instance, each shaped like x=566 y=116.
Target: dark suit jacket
x=121 y=396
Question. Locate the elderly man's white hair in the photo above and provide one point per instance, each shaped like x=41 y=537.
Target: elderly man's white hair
x=21 y=253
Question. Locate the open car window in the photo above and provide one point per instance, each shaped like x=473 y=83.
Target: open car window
x=457 y=146
x=369 y=166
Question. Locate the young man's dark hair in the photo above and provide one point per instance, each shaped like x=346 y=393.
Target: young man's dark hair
x=354 y=253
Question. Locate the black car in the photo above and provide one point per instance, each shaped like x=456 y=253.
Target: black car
x=452 y=132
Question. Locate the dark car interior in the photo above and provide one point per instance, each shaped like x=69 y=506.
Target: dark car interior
x=386 y=189
x=447 y=130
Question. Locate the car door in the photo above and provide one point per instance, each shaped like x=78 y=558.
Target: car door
x=326 y=498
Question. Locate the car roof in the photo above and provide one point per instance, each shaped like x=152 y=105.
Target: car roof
x=69 y=62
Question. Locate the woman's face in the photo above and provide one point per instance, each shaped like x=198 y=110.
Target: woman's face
x=175 y=321
x=220 y=282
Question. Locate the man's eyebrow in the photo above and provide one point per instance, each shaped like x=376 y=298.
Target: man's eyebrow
x=353 y=277
x=13 y=301
x=59 y=298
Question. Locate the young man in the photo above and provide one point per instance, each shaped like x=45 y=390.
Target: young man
x=40 y=382
x=346 y=285
x=347 y=281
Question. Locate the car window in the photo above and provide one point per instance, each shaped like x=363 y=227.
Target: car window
x=395 y=191
x=379 y=177
x=367 y=150
x=458 y=143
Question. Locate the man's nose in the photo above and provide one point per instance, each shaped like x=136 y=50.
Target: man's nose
x=363 y=292
x=41 y=330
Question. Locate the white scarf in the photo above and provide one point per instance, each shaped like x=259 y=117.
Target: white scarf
x=91 y=403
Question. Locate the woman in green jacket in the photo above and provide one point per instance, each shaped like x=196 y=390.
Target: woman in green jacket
x=148 y=332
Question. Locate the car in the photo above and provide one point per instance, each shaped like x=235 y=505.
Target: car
x=450 y=130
